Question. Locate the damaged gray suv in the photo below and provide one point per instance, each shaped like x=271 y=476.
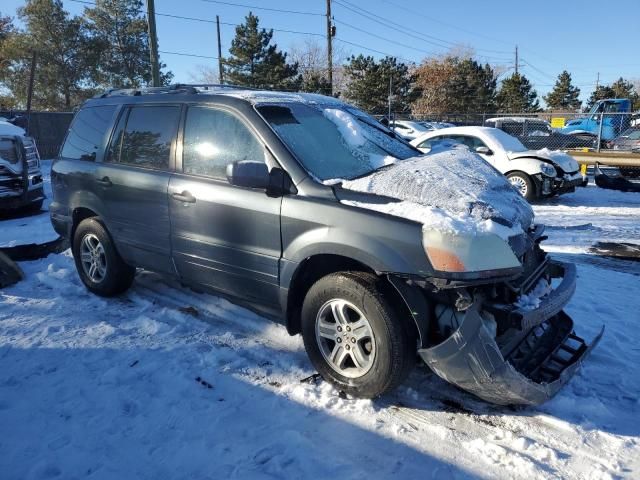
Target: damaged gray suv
x=308 y=210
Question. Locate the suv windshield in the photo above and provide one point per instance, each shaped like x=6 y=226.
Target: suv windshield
x=335 y=141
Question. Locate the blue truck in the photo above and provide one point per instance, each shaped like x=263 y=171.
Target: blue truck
x=615 y=114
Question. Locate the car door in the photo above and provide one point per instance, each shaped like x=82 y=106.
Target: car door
x=133 y=182
x=223 y=236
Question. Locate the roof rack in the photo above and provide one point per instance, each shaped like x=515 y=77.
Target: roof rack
x=174 y=88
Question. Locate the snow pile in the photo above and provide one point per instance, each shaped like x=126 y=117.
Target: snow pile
x=7 y=128
x=356 y=137
x=450 y=189
x=347 y=125
x=531 y=300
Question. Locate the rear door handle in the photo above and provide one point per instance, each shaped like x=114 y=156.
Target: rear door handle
x=105 y=182
x=185 y=197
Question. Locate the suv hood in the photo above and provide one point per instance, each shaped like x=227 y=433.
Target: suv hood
x=559 y=159
x=450 y=189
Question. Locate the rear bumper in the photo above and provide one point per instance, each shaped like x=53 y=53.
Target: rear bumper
x=529 y=368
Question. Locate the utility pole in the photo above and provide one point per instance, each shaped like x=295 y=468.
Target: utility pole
x=153 y=43
x=330 y=33
x=598 y=81
x=516 y=59
x=390 y=92
x=32 y=76
x=220 y=72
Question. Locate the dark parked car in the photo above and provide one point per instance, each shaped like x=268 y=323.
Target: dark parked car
x=21 y=183
x=629 y=141
x=536 y=134
x=258 y=196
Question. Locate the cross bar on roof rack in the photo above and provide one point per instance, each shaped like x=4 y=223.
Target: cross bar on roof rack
x=191 y=88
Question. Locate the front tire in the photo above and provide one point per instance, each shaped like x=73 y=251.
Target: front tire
x=99 y=265
x=523 y=183
x=354 y=337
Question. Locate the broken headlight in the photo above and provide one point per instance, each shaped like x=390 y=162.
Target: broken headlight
x=548 y=170
x=449 y=252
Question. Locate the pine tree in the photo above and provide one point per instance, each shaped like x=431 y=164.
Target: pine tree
x=517 y=95
x=455 y=85
x=369 y=81
x=315 y=82
x=120 y=39
x=600 y=93
x=6 y=27
x=472 y=87
x=621 y=88
x=254 y=62
x=564 y=95
x=62 y=47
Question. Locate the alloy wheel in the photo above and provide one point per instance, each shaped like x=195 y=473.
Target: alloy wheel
x=345 y=338
x=93 y=258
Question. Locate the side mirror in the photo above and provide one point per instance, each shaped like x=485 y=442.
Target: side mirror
x=248 y=173
x=484 y=151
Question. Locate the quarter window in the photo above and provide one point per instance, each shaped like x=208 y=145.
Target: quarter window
x=87 y=133
x=213 y=139
x=144 y=136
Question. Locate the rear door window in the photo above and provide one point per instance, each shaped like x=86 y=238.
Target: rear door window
x=87 y=132
x=215 y=138
x=144 y=136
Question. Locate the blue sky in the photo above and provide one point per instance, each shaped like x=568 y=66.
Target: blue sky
x=580 y=36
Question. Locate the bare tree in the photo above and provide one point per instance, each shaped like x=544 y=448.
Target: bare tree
x=311 y=56
x=204 y=74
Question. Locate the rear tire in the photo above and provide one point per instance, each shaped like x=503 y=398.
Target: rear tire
x=354 y=337
x=524 y=184
x=99 y=265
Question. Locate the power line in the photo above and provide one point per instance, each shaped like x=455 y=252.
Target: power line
x=255 y=7
x=403 y=29
x=372 y=50
x=538 y=70
x=415 y=12
x=182 y=54
x=404 y=45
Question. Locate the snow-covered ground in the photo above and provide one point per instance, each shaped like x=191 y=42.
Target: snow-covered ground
x=577 y=220
x=163 y=382
x=34 y=229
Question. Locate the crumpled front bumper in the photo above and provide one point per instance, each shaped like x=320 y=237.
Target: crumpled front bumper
x=528 y=373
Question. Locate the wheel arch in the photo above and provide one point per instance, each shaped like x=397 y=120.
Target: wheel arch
x=313 y=268
x=79 y=214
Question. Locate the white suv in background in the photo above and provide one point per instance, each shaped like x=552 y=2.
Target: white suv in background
x=536 y=173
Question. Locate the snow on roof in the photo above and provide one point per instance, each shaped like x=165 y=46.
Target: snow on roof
x=7 y=128
x=267 y=96
x=516 y=119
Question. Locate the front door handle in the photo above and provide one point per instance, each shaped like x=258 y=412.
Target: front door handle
x=105 y=182
x=185 y=197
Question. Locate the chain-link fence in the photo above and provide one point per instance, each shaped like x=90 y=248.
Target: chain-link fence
x=597 y=130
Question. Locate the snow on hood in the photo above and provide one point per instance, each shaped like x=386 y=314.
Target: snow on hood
x=451 y=189
x=565 y=161
x=7 y=128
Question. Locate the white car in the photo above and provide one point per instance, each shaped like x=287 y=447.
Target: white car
x=408 y=130
x=536 y=173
